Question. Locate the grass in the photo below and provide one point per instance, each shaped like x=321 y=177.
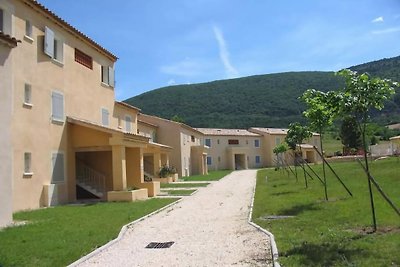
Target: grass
x=331 y=144
x=179 y=192
x=58 y=236
x=179 y=185
x=332 y=233
x=211 y=176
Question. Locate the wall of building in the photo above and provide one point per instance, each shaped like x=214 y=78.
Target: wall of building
x=33 y=129
x=120 y=121
x=221 y=152
x=6 y=90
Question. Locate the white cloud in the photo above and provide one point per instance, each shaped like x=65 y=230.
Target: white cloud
x=230 y=71
x=171 y=82
x=378 y=19
x=385 y=31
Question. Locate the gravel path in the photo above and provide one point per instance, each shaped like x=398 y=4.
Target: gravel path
x=209 y=229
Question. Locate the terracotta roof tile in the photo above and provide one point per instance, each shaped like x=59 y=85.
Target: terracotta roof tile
x=8 y=40
x=226 y=132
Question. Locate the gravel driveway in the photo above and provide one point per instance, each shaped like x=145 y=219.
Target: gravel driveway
x=209 y=228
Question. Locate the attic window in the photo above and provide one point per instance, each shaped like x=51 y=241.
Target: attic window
x=83 y=59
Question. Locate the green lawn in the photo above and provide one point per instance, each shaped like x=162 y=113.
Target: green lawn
x=58 y=236
x=331 y=145
x=179 y=192
x=331 y=233
x=186 y=185
x=211 y=176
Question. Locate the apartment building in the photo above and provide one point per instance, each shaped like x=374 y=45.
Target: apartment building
x=63 y=131
x=272 y=137
x=188 y=153
x=233 y=149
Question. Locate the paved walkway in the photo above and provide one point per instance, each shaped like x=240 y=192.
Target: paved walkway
x=209 y=229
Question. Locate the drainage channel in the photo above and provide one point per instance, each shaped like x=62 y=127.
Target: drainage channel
x=160 y=245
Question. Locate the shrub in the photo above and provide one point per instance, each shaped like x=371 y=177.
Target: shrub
x=166 y=171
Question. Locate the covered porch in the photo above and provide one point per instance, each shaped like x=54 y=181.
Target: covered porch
x=237 y=158
x=109 y=163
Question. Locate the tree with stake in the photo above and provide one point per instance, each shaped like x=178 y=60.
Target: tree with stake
x=361 y=93
x=321 y=111
x=296 y=134
x=278 y=151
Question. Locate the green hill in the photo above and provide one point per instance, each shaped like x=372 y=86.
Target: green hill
x=269 y=100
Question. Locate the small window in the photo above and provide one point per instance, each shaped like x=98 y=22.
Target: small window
x=258 y=159
x=104 y=117
x=57 y=106
x=83 y=59
x=128 y=121
x=219 y=159
x=233 y=141
x=27 y=163
x=28 y=94
x=193 y=138
x=28 y=28
x=120 y=123
x=209 y=160
x=257 y=143
x=208 y=142
x=218 y=141
x=58 y=168
x=107 y=75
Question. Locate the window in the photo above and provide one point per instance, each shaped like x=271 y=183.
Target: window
x=28 y=95
x=208 y=142
x=209 y=160
x=57 y=175
x=83 y=59
x=120 y=123
x=107 y=75
x=277 y=140
x=257 y=143
x=1 y=20
x=27 y=163
x=233 y=142
x=258 y=159
x=57 y=106
x=128 y=121
x=193 y=138
x=218 y=141
x=28 y=28
x=53 y=46
x=5 y=21
x=104 y=117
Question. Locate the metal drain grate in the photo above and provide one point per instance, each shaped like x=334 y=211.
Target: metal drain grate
x=160 y=245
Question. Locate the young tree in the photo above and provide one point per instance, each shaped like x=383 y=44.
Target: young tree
x=278 y=151
x=350 y=133
x=321 y=110
x=296 y=134
x=361 y=93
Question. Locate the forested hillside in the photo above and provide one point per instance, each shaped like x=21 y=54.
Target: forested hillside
x=269 y=100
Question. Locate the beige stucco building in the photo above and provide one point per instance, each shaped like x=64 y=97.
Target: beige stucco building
x=252 y=148
x=62 y=129
x=188 y=153
x=272 y=137
x=233 y=149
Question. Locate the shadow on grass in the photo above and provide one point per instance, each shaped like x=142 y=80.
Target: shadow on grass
x=324 y=254
x=295 y=210
x=283 y=193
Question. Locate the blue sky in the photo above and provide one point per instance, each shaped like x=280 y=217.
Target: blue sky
x=168 y=42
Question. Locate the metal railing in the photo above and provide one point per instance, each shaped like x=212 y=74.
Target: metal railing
x=91 y=177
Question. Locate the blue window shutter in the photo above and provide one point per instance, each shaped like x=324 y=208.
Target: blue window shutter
x=49 y=42
x=111 y=79
x=57 y=105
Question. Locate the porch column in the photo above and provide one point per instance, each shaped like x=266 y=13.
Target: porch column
x=119 y=167
x=156 y=163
